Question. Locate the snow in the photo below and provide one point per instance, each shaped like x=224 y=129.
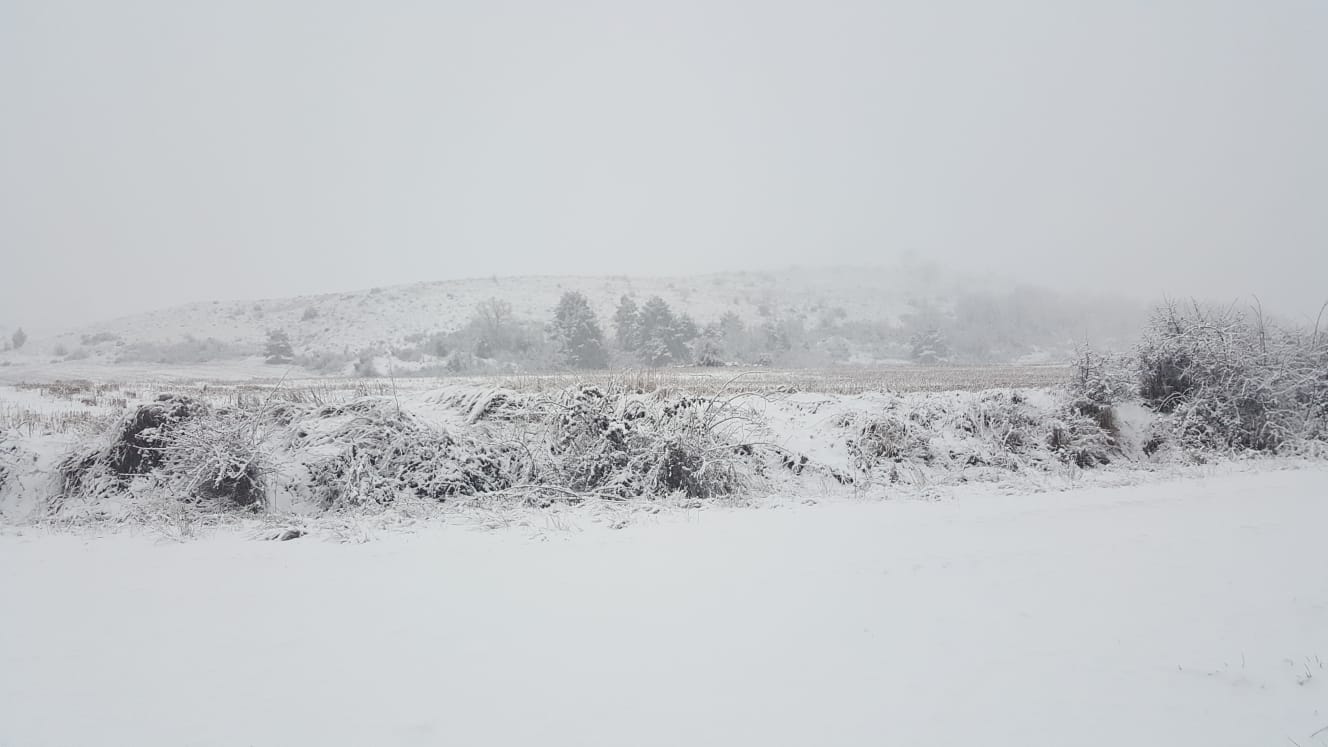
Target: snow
x=1178 y=613
x=368 y=317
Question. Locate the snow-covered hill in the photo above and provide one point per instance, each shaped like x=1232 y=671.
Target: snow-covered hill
x=386 y=315
x=820 y=316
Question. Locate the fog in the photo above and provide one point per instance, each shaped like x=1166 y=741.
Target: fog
x=153 y=153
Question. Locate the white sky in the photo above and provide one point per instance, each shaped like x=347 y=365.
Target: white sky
x=159 y=152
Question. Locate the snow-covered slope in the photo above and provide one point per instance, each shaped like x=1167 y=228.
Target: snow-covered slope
x=360 y=319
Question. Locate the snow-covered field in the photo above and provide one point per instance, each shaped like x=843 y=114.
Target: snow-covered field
x=1186 y=612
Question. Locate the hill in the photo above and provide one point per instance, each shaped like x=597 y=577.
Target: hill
x=866 y=315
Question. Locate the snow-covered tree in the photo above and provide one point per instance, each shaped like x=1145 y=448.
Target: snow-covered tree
x=708 y=351
x=687 y=328
x=495 y=326
x=929 y=347
x=279 y=348
x=662 y=340
x=627 y=324
x=19 y=337
x=577 y=334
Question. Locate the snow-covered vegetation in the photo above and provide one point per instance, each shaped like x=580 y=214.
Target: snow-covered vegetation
x=1205 y=384
x=911 y=312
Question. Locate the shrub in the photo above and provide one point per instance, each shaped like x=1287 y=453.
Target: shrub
x=187 y=350
x=1099 y=382
x=379 y=454
x=135 y=445
x=324 y=361
x=617 y=443
x=216 y=458
x=888 y=438
x=1079 y=438
x=365 y=365
x=1231 y=380
x=99 y=338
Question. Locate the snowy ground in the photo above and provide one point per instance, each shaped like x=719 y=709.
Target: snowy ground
x=1191 y=612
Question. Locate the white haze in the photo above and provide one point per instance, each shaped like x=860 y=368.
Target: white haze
x=153 y=153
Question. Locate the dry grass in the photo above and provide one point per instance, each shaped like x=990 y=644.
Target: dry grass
x=76 y=403
x=31 y=422
x=710 y=381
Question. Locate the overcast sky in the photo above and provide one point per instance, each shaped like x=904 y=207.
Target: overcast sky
x=159 y=152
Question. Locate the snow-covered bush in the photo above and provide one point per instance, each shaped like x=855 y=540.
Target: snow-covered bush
x=888 y=438
x=325 y=361
x=633 y=445
x=615 y=442
x=1229 y=380
x=950 y=435
x=132 y=446
x=1086 y=431
x=194 y=452
x=217 y=457
x=1003 y=420
x=5 y=450
x=1100 y=380
x=1080 y=438
x=369 y=453
x=188 y=350
x=365 y=364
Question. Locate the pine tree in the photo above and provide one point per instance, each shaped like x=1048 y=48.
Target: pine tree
x=661 y=341
x=687 y=328
x=733 y=336
x=929 y=347
x=576 y=332
x=279 y=347
x=627 y=324
x=709 y=351
x=19 y=338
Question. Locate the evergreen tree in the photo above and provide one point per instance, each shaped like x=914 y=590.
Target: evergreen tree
x=19 y=338
x=733 y=337
x=627 y=324
x=576 y=332
x=279 y=347
x=731 y=326
x=661 y=335
x=929 y=347
x=709 y=351
x=687 y=329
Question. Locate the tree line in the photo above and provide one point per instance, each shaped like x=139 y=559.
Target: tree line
x=980 y=327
